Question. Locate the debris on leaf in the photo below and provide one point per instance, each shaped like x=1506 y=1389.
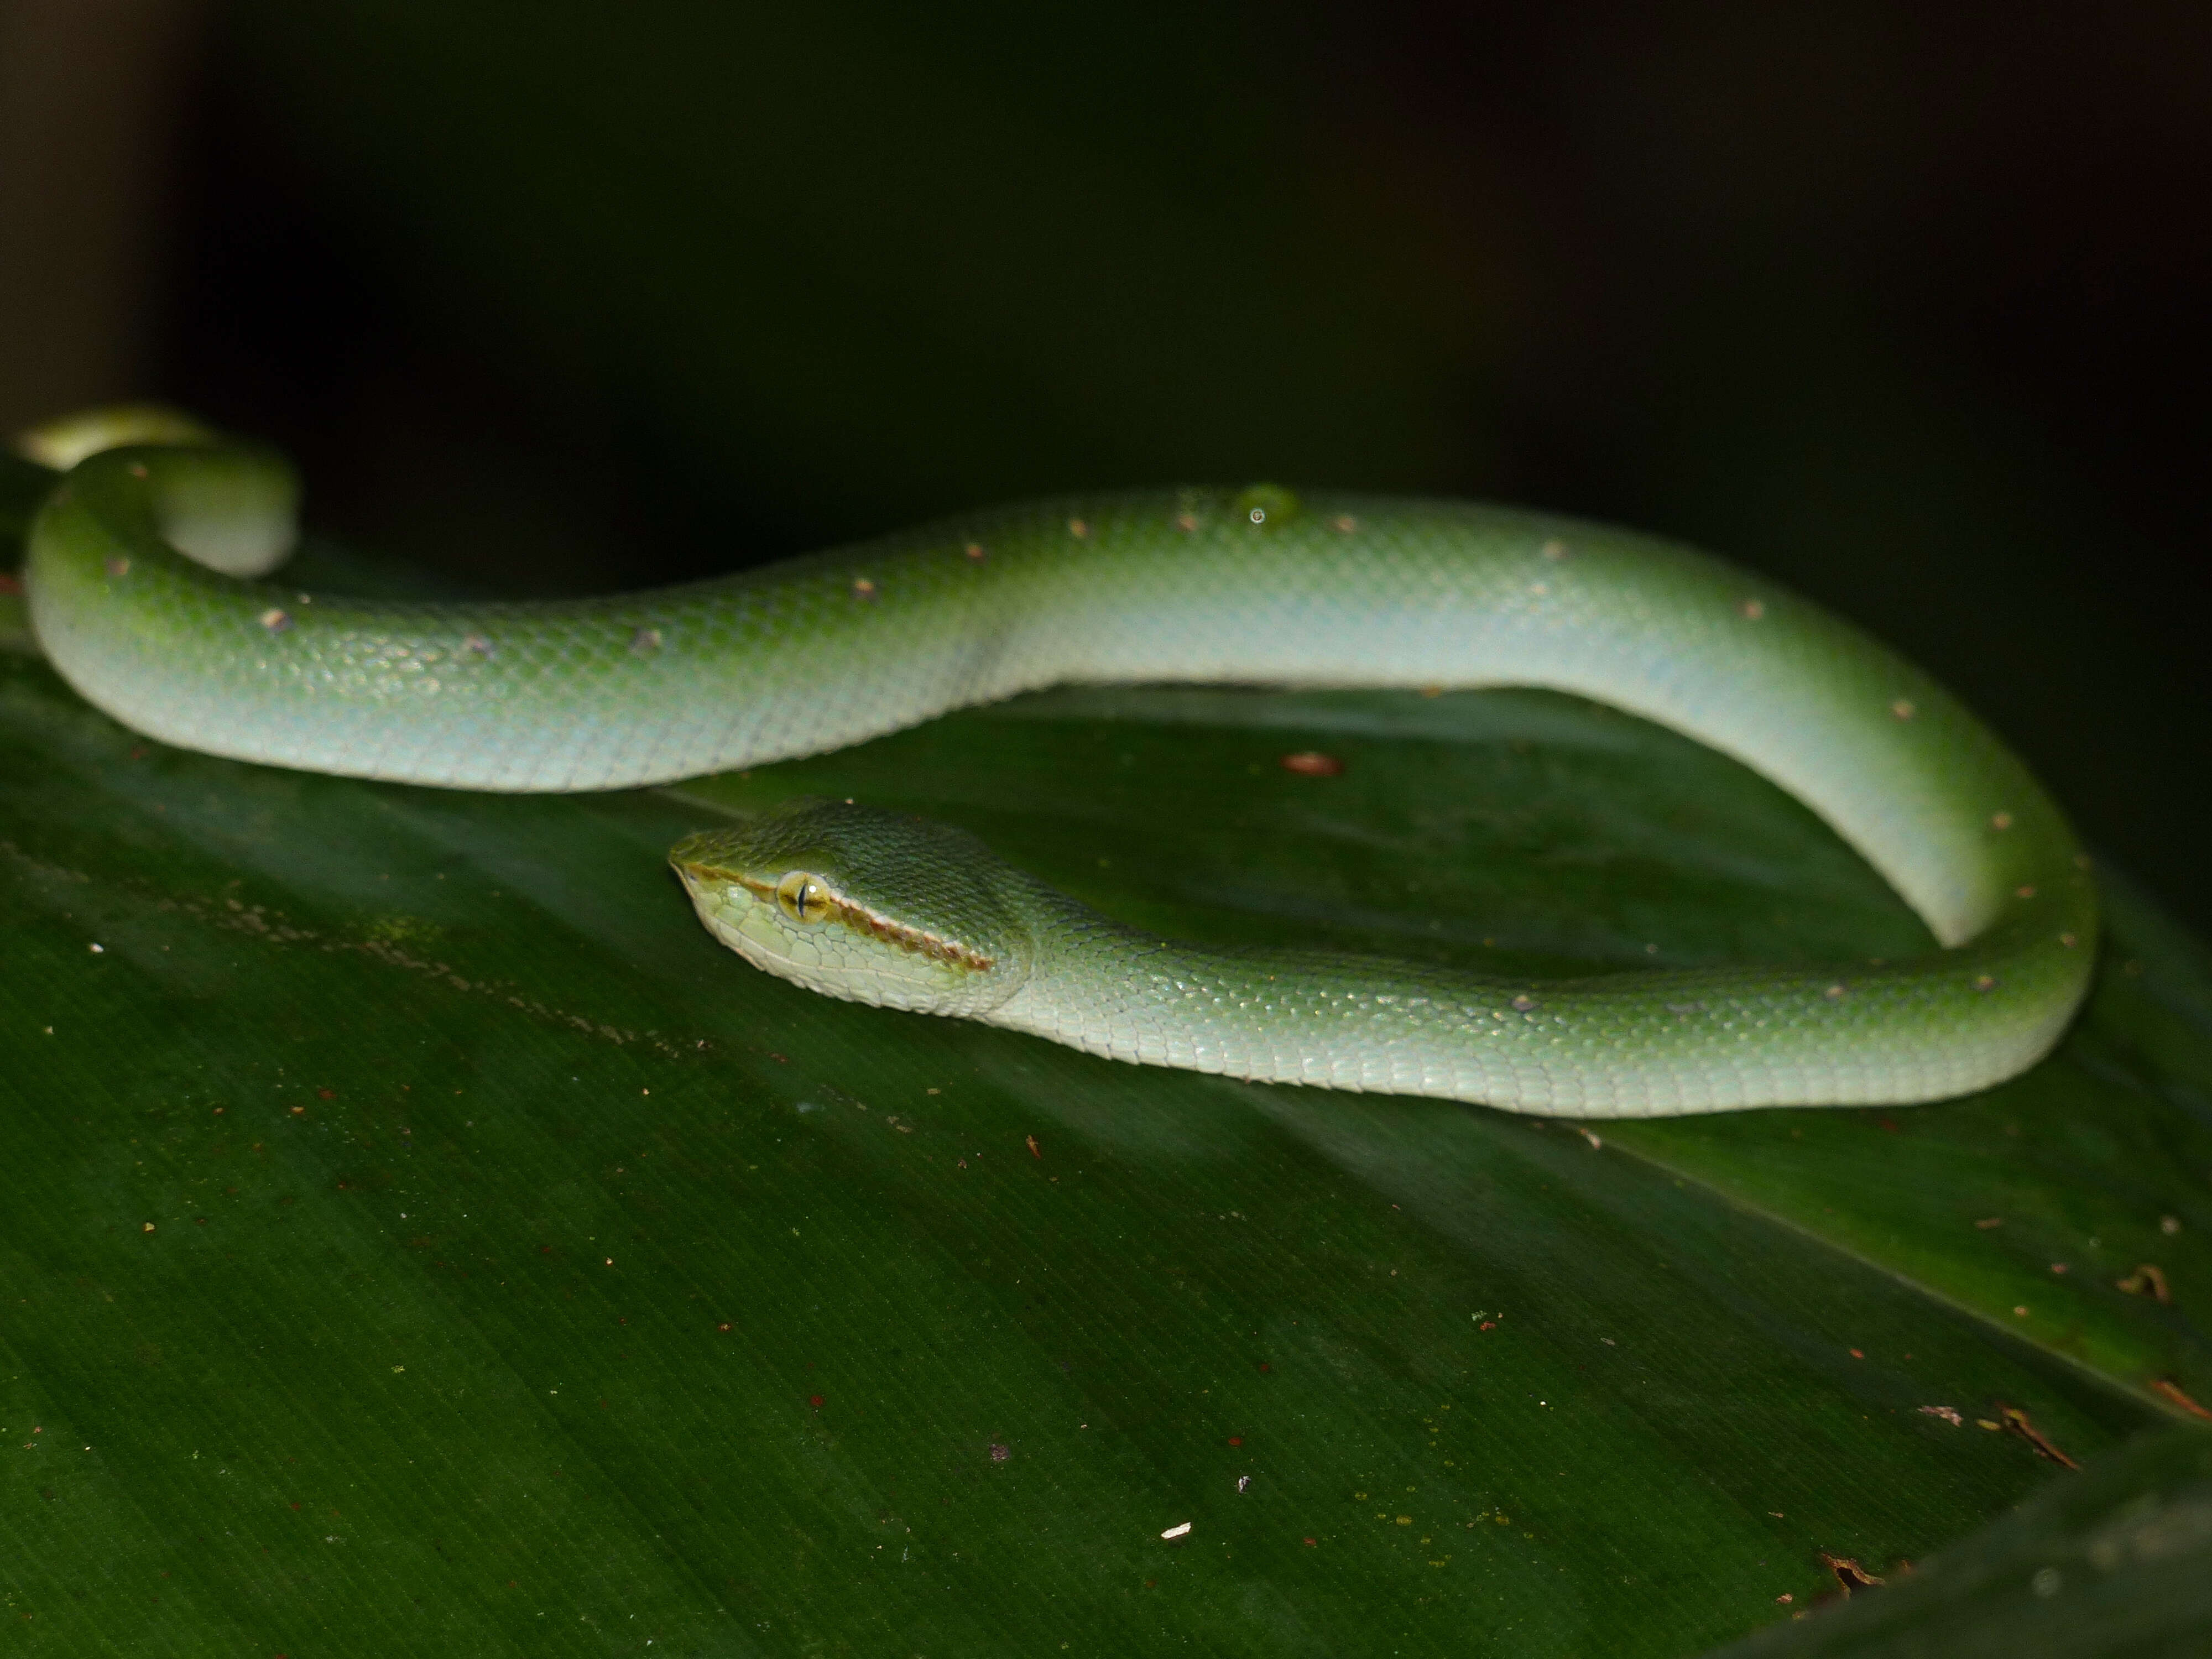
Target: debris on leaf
x=2147 y=1279
x=1849 y=1573
x=2171 y=1391
x=2016 y=1420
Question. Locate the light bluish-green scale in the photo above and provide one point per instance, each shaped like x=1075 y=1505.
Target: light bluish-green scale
x=1191 y=586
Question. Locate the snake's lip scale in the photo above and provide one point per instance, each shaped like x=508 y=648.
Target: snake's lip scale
x=140 y=585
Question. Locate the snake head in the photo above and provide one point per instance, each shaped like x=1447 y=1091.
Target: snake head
x=863 y=904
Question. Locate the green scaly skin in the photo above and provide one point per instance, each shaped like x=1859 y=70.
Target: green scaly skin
x=1191 y=586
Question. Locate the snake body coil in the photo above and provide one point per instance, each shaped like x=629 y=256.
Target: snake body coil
x=1193 y=586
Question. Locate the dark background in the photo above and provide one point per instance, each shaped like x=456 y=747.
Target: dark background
x=1906 y=306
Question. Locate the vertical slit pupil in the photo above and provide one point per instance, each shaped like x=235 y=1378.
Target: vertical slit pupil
x=801 y=896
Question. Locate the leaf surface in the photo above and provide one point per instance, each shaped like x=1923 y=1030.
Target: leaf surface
x=425 y=1239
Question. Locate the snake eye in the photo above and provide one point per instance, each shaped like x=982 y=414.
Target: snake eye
x=803 y=898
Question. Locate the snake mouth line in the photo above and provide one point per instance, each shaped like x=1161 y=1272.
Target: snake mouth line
x=850 y=913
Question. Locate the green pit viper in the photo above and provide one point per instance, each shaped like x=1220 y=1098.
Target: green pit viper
x=1257 y=588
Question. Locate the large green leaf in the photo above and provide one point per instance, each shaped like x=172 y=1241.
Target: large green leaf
x=423 y=1238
